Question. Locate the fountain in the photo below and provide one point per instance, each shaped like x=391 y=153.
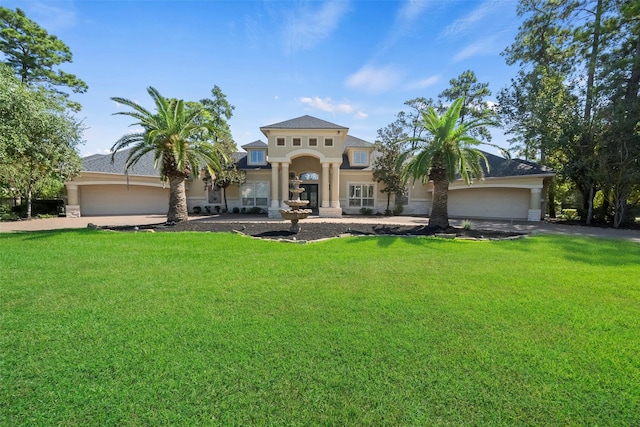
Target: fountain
x=295 y=213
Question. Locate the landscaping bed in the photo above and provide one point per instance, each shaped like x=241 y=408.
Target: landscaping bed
x=317 y=231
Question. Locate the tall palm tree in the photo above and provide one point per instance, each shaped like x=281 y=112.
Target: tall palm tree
x=445 y=152
x=176 y=137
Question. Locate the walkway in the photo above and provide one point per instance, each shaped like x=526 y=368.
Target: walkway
x=523 y=226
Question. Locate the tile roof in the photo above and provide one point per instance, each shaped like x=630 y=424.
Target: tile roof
x=304 y=122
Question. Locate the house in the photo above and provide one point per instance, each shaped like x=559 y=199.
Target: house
x=336 y=172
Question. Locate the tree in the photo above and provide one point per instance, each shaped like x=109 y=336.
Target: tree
x=38 y=139
x=447 y=150
x=386 y=167
x=474 y=106
x=169 y=135
x=33 y=53
x=227 y=175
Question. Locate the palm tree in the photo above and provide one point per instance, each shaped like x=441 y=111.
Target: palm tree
x=175 y=136
x=446 y=152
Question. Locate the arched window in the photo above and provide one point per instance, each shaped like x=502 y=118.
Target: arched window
x=309 y=176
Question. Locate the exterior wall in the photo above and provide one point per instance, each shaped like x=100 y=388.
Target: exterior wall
x=278 y=153
x=112 y=199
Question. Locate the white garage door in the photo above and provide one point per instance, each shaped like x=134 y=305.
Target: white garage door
x=123 y=200
x=504 y=203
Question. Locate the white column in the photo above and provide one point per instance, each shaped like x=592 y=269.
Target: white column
x=335 y=185
x=72 y=210
x=325 y=185
x=275 y=202
x=535 y=203
x=285 y=185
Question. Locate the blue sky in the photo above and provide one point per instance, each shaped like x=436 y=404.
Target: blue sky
x=353 y=63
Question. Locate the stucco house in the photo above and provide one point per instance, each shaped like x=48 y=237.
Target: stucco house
x=336 y=170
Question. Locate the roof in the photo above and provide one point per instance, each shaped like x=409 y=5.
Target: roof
x=255 y=144
x=304 y=122
x=102 y=163
x=500 y=167
x=352 y=141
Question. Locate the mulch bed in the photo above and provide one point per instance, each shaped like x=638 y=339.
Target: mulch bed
x=317 y=231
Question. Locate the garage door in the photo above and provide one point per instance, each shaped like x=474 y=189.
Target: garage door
x=123 y=200
x=504 y=203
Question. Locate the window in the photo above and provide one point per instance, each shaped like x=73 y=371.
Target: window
x=313 y=142
x=280 y=142
x=255 y=194
x=360 y=158
x=256 y=157
x=361 y=195
x=328 y=142
x=310 y=176
x=296 y=142
x=402 y=198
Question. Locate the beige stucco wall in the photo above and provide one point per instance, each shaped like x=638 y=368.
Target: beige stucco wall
x=278 y=153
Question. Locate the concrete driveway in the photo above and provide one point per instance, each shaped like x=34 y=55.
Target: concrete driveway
x=523 y=226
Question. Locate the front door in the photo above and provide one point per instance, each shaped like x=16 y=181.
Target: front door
x=310 y=194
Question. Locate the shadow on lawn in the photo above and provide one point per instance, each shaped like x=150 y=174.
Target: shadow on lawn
x=43 y=234
x=586 y=250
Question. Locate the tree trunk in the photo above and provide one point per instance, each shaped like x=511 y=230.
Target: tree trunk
x=590 y=205
x=177 y=200
x=439 y=212
x=224 y=196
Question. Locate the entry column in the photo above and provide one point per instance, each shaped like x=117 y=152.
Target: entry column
x=325 y=185
x=335 y=185
x=275 y=202
x=285 y=185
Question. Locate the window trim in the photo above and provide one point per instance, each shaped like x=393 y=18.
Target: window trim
x=284 y=141
x=312 y=139
x=298 y=140
x=328 y=142
x=361 y=152
x=361 y=198
x=250 y=160
x=253 y=184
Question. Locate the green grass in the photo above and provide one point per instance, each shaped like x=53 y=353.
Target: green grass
x=102 y=328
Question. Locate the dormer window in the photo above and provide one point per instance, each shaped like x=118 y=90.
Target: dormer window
x=257 y=157
x=360 y=158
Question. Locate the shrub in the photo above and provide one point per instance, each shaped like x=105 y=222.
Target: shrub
x=197 y=210
x=467 y=224
x=243 y=210
x=366 y=211
x=208 y=209
x=235 y=210
x=570 y=214
x=398 y=210
x=255 y=210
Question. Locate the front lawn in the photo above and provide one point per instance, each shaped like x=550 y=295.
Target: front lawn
x=104 y=328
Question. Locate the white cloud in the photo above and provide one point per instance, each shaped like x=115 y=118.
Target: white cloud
x=408 y=14
x=423 y=83
x=465 y=24
x=484 y=46
x=327 y=105
x=305 y=26
x=361 y=115
x=374 y=80
x=54 y=16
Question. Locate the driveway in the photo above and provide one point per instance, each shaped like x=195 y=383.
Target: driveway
x=523 y=226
